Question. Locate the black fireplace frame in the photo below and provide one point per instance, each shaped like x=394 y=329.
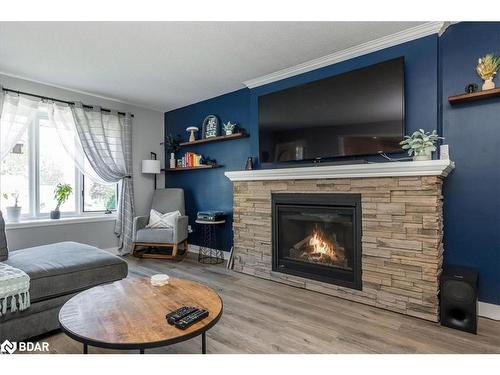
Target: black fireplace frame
x=344 y=278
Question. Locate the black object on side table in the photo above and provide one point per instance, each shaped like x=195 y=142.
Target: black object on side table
x=208 y=250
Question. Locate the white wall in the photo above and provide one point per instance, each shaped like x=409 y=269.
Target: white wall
x=98 y=234
x=146 y=137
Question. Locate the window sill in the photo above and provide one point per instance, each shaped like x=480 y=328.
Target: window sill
x=61 y=221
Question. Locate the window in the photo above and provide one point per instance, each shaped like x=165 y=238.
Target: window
x=99 y=197
x=15 y=177
x=54 y=166
x=37 y=164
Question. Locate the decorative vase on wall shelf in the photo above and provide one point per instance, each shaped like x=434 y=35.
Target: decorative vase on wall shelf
x=172 y=160
x=488 y=84
x=13 y=214
x=487 y=67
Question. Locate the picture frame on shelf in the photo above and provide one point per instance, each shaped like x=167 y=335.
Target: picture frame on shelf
x=211 y=127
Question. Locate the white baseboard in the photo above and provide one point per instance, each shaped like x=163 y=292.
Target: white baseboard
x=488 y=310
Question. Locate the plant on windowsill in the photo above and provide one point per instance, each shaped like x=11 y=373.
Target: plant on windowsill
x=420 y=144
x=13 y=212
x=61 y=195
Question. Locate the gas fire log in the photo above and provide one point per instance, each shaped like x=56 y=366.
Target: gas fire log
x=305 y=250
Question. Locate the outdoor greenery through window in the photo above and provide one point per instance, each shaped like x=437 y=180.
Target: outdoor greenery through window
x=37 y=164
x=98 y=197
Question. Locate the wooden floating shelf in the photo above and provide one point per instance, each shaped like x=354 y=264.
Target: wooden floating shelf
x=480 y=95
x=220 y=138
x=191 y=168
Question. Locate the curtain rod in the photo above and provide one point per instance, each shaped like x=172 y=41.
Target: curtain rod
x=58 y=100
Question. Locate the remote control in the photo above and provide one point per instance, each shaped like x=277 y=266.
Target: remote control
x=179 y=314
x=192 y=318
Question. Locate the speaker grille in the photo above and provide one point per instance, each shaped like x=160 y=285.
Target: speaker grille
x=458 y=291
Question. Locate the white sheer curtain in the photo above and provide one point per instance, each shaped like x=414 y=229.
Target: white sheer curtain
x=106 y=139
x=61 y=118
x=17 y=113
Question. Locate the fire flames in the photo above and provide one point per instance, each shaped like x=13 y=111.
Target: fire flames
x=322 y=247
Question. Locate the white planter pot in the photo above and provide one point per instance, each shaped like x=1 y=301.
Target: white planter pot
x=13 y=214
x=427 y=155
x=488 y=84
x=172 y=160
x=229 y=132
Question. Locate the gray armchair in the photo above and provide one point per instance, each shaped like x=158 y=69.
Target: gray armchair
x=164 y=200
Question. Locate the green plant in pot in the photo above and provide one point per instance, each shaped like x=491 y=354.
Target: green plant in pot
x=61 y=195
x=420 y=144
x=13 y=212
x=229 y=128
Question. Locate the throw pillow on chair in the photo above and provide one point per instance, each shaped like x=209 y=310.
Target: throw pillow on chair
x=159 y=220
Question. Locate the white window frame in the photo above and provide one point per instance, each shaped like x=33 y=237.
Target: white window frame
x=82 y=177
x=34 y=180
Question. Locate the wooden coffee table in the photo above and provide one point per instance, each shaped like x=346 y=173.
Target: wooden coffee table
x=130 y=314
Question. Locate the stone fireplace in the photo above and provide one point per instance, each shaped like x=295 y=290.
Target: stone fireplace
x=318 y=236
x=400 y=234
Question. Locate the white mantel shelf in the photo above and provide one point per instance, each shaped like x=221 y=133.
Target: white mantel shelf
x=385 y=169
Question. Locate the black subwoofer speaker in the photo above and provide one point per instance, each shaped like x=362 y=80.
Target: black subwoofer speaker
x=459 y=298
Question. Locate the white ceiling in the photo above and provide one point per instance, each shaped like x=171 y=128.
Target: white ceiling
x=167 y=65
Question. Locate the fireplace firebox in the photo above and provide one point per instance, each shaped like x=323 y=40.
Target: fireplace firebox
x=318 y=236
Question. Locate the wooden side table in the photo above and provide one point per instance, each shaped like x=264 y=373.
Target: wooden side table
x=208 y=252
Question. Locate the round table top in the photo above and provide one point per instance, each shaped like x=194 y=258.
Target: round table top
x=130 y=313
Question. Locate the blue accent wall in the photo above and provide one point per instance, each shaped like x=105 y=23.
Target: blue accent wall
x=210 y=189
x=434 y=69
x=472 y=191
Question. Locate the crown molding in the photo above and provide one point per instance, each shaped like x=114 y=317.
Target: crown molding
x=428 y=28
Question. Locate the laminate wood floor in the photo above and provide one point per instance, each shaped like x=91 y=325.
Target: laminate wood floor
x=262 y=316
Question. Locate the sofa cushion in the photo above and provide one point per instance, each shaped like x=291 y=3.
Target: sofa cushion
x=66 y=267
x=4 y=251
x=157 y=235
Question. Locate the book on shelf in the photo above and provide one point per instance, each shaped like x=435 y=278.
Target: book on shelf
x=191 y=159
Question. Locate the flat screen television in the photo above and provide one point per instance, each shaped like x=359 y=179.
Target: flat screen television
x=357 y=113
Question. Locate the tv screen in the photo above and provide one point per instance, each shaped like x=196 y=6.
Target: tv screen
x=356 y=113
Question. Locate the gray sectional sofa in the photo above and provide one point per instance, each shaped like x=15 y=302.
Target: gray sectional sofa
x=57 y=272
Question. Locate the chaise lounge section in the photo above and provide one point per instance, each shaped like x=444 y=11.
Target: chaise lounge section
x=57 y=272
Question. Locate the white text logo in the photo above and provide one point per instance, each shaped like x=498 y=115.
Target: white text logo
x=9 y=347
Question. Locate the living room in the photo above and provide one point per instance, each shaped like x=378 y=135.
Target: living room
x=302 y=186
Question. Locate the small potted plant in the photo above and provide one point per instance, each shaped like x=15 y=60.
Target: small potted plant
x=13 y=212
x=172 y=145
x=420 y=144
x=61 y=195
x=229 y=128
x=487 y=69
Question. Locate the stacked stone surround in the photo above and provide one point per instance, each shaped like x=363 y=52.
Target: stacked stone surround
x=402 y=230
